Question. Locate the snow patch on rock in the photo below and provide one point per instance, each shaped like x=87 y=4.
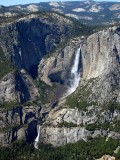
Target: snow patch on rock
x=117 y=15
x=86 y=18
x=55 y=4
x=79 y=10
x=72 y=15
x=57 y=10
x=95 y=8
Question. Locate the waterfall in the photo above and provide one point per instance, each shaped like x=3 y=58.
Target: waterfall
x=37 y=138
x=75 y=74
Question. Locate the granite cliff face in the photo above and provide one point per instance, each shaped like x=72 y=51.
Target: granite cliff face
x=65 y=125
x=19 y=123
x=101 y=48
x=33 y=36
x=17 y=86
x=57 y=67
x=100 y=59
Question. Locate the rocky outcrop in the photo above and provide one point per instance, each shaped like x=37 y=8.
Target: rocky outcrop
x=106 y=157
x=7 y=88
x=17 y=86
x=62 y=136
x=18 y=123
x=57 y=67
x=80 y=117
x=64 y=125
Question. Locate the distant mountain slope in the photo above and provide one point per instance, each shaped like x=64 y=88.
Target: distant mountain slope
x=86 y=11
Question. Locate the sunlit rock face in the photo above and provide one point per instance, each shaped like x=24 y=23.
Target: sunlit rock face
x=57 y=68
x=106 y=157
x=20 y=122
x=100 y=60
x=100 y=53
x=52 y=132
x=17 y=87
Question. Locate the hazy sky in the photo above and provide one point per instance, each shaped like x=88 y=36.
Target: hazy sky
x=14 y=2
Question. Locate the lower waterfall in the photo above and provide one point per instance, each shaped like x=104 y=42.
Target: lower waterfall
x=37 y=138
x=75 y=74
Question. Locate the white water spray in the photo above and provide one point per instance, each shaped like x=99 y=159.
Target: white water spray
x=37 y=138
x=75 y=75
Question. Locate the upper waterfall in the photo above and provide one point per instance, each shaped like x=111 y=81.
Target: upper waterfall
x=75 y=74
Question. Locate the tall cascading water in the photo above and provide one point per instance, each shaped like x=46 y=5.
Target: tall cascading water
x=37 y=138
x=75 y=73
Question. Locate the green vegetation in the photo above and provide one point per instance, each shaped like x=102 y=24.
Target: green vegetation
x=18 y=150
x=112 y=105
x=30 y=103
x=45 y=92
x=95 y=126
x=81 y=150
x=5 y=65
x=9 y=128
x=12 y=18
x=67 y=124
x=114 y=126
x=8 y=105
x=80 y=29
x=79 y=98
x=58 y=48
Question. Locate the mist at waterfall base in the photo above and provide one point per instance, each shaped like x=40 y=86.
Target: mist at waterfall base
x=75 y=74
x=37 y=138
